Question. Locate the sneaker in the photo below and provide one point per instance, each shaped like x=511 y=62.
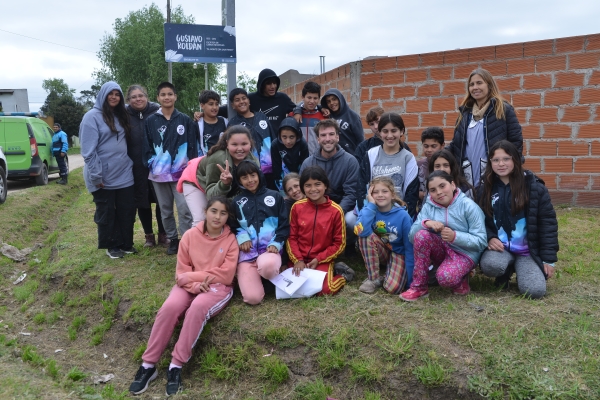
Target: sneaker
x=150 y=240
x=340 y=268
x=463 y=288
x=142 y=379
x=130 y=250
x=115 y=253
x=414 y=294
x=371 y=286
x=163 y=240
x=174 y=381
x=173 y=247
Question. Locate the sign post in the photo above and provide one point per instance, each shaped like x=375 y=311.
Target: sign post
x=228 y=19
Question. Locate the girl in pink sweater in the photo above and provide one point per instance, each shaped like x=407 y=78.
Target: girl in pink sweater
x=206 y=264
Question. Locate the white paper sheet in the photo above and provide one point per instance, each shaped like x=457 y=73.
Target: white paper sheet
x=312 y=285
x=288 y=282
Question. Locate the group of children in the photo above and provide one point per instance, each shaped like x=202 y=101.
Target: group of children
x=422 y=221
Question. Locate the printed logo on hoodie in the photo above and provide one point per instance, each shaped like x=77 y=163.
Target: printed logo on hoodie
x=242 y=201
x=181 y=129
x=270 y=201
x=263 y=124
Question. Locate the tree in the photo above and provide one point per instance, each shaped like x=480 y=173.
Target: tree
x=62 y=105
x=58 y=86
x=243 y=81
x=134 y=53
x=88 y=97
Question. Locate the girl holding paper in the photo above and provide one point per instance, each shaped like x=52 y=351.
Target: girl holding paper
x=318 y=232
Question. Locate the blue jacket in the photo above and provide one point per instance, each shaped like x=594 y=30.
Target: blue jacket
x=60 y=136
x=392 y=227
x=464 y=217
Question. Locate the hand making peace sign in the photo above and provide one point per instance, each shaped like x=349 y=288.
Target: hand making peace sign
x=226 y=176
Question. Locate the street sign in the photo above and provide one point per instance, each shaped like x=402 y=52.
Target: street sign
x=199 y=43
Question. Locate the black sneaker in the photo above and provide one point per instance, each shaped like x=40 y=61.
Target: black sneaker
x=174 y=381
x=130 y=250
x=115 y=253
x=342 y=269
x=142 y=379
x=173 y=247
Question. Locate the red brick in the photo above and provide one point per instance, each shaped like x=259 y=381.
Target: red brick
x=385 y=64
x=533 y=164
x=521 y=113
x=401 y=92
x=561 y=197
x=416 y=75
x=414 y=106
x=443 y=104
x=521 y=66
x=576 y=114
x=595 y=149
x=454 y=87
x=549 y=180
x=548 y=114
x=432 y=59
x=456 y=56
x=482 y=53
x=366 y=106
x=538 y=48
x=531 y=131
x=392 y=78
x=584 y=61
x=463 y=71
x=429 y=90
x=589 y=199
x=509 y=84
x=411 y=120
x=595 y=78
x=539 y=148
x=568 y=148
x=497 y=68
x=367 y=66
x=557 y=132
x=558 y=164
x=596 y=184
x=573 y=181
x=568 y=79
x=514 y=50
x=558 y=97
x=440 y=74
x=588 y=164
x=432 y=119
x=383 y=93
x=451 y=118
x=395 y=106
x=411 y=61
x=592 y=42
x=526 y=99
x=537 y=82
x=370 y=79
x=364 y=94
x=589 y=96
x=591 y=131
x=570 y=44
x=549 y=64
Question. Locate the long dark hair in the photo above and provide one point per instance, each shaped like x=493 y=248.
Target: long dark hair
x=391 y=118
x=516 y=180
x=455 y=169
x=232 y=130
x=219 y=199
x=108 y=114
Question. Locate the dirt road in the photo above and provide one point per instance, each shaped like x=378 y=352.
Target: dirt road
x=75 y=161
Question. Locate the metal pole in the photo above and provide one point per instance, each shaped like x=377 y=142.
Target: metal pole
x=322 y=61
x=206 y=85
x=228 y=19
x=170 y=65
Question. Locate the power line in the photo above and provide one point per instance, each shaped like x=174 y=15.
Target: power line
x=45 y=41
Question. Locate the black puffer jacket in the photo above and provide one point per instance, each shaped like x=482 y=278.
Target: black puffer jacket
x=135 y=151
x=495 y=130
x=540 y=217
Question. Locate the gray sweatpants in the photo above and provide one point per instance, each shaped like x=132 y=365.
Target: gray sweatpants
x=530 y=277
x=166 y=194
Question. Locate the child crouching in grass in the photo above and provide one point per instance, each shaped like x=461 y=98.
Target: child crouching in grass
x=206 y=264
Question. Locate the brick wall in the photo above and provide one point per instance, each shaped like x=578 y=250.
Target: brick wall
x=553 y=84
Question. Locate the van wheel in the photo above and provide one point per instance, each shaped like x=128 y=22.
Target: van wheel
x=42 y=178
x=3 y=186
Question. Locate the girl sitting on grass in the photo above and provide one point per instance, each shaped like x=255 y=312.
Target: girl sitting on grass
x=449 y=233
x=206 y=263
x=522 y=230
x=382 y=229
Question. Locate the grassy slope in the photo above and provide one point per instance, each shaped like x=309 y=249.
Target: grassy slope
x=350 y=346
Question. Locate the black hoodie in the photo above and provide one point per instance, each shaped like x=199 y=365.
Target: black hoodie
x=351 y=134
x=288 y=160
x=276 y=107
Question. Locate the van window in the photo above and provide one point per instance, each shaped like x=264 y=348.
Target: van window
x=30 y=131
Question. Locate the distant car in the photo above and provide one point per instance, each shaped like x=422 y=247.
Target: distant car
x=27 y=143
x=3 y=172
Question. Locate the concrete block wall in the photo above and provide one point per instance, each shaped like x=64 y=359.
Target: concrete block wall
x=553 y=84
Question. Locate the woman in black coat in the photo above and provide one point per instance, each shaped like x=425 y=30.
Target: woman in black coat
x=139 y=108
x=485 y=119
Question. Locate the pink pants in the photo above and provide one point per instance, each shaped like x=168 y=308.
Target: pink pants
x=267 y=265
x=453 y=267
x=196 y=202
x=198 y=309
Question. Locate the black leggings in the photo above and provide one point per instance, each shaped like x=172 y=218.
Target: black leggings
x=145 y=215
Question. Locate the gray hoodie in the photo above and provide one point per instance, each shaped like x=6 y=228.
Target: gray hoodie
x=104 y=152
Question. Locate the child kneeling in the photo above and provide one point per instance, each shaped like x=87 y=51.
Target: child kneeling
x=206 y=264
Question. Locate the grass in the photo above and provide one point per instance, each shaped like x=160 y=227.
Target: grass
x=352 y=346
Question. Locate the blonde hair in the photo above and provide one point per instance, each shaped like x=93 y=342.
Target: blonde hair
x=494 y=93
x=389 y=183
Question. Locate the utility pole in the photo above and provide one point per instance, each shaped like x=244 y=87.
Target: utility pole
x=170 y=65
x=228 y=19
x=206 y=85
x=322 y=59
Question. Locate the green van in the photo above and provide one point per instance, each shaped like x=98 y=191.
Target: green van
x=27 y=144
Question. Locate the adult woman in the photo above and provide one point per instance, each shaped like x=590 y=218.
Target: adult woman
x=139 y=108
x=108 y=171
x=485 y=119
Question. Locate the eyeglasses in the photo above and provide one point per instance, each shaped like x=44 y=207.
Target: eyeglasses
x=504 y=160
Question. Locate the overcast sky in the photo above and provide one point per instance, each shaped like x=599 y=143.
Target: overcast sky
x=280 y=35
